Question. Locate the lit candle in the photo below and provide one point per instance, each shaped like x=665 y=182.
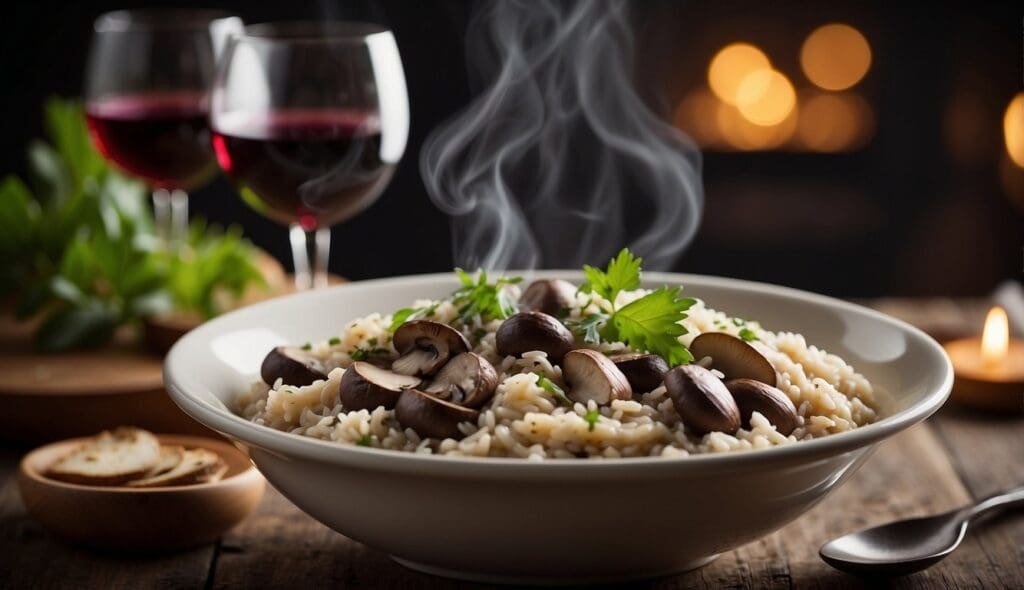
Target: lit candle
x=989 y=371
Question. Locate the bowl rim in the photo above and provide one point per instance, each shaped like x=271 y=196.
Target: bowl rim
x=287 y=444
x=247 y=476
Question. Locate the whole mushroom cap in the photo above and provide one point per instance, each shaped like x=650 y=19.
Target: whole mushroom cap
x=703 y=402
x=534 y=330
x=645 y=372
x=549 y=296
x=431 y=416
x=292 y=365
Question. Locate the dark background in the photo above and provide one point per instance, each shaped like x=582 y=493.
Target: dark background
x=930 y=206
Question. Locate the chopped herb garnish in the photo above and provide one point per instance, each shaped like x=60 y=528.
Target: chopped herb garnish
x=365 y=441
x=361 y=354
x=591 y=418
x=334 y=341
x=307 y=346
x=549 y=386
x=480 y=299
x=748 y=334
x=372 y=342
x=479 y=333
x=408 y=314
x=738 y=322
x=589 y=327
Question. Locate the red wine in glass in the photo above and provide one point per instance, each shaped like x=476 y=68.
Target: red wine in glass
x=314 y=167
x=160 y=137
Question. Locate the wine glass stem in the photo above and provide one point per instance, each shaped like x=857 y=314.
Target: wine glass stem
x=310 y=252
x=162 y=215
x=170 y=214
x=179 y=217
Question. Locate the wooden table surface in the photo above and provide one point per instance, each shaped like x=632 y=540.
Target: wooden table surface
x=954 y=457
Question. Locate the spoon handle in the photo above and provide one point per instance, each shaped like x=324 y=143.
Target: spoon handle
x=1001 y=501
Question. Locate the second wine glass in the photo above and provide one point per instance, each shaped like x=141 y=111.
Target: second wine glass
x=147 y=86
x=310 y=120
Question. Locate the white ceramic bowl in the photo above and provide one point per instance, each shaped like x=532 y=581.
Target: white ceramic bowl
x=557 y=521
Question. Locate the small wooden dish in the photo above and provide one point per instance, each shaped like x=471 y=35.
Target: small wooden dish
x=140 y=520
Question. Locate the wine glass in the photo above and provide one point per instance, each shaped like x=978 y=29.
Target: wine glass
x=310 y=120
x=147 y=85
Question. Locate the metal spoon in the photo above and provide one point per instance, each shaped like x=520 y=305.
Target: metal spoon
x=907 y=546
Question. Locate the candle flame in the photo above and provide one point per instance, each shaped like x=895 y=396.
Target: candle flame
x=995 y=338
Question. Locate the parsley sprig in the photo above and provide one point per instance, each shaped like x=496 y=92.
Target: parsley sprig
x=649 y=324
x=480 y=299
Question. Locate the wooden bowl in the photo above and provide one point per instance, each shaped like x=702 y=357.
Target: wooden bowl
x=140 y=520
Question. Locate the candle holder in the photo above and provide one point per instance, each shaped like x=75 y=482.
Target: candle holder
x=989 y=370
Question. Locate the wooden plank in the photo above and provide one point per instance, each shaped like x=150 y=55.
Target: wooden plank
x=32 y=558
x=987 y=451
x=909 y=476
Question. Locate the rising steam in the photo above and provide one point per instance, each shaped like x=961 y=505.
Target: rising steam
x=559 y=162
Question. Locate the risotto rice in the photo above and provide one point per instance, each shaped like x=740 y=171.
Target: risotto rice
x=525 y=420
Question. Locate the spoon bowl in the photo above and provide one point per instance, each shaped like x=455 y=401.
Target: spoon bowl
x=908 y=546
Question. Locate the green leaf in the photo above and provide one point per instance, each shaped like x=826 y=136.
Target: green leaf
x=481 y=299
x=77 y=327
x=623 y=274
x=651 y=324
x=65 y=124
x=591 y=417
x=589 y=327
x=748 y=335
x=48 y=173
x=408 y=314
x=18 y=216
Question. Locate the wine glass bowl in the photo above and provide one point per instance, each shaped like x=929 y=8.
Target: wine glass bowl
x=310 y=120
x=147 y=85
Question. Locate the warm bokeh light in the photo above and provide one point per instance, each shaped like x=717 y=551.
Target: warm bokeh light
x=834 y=122
x=765 y=97
x=1013 y=129
x=731 y=65
x=696 y=114
x=739 y=133
x=995 y=338
x=835 y=56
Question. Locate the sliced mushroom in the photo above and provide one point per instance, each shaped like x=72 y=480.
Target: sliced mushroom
x=468 y=380
x=431 y=416
x=644 y=372
x=702 y=400
x=549 y=296
x=425 y=346
x=533 y=330
x=365 y=386
x=754 y=396
x=293 y=366
x=733 y=357
x=592 y=376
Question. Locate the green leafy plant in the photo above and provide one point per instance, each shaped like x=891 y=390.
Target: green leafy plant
x=80 y=252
